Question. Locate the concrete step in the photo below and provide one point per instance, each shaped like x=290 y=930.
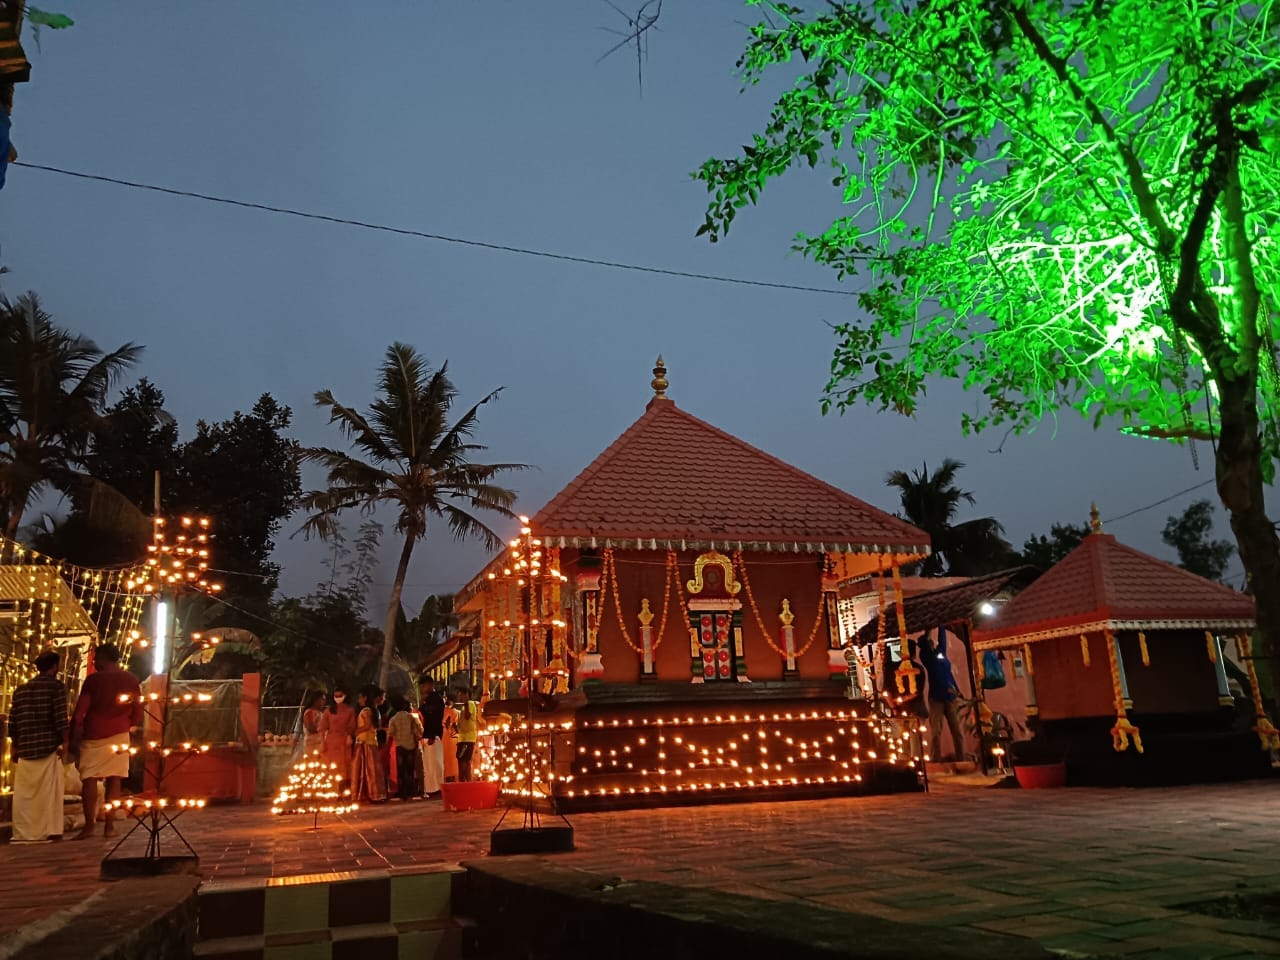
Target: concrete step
x=420 y=940
x=369 y=914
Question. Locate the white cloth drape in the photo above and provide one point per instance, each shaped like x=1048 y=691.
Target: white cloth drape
x=432 y=766
x=108 y=757
x=37 y=799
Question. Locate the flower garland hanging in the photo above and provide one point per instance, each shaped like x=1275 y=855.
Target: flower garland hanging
x=880 y=624
x=1084 y=648
x=1142 y=649
x=905 y=675
x=670 y=587
x=1210 y=646
x=608 y=586
x=741 y=566
x=1264 y=728
x=1123 y=729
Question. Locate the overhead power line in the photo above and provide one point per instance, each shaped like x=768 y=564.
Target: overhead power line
x=427 y=235
x=1163 y=500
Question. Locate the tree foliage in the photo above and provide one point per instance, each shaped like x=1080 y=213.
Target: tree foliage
x=54 y=386
x=244 y=473
x=1057 y=204
x=408 y=457
x=1042 y=552
x=416 y=638
x=1025 y=193
x=1191 y=535
x=931 y=501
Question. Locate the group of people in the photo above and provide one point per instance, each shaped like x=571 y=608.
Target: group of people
x=383 y=745
x=386 y=747
x=96 y=737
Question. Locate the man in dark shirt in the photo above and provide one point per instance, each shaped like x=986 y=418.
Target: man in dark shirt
x=431 y=706
x=38 y=728
x=109 y=709
x=944 y=696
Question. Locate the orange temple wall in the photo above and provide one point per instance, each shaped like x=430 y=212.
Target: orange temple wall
x=773 y=576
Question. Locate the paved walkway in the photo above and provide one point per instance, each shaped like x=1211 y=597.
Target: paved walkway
x=1082 y=871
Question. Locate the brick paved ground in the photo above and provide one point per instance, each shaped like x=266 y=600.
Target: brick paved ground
x=1084 y=871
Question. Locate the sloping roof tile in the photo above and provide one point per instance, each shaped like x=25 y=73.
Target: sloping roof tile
x=672 y=476
x=1103 y=580
x=947 y=605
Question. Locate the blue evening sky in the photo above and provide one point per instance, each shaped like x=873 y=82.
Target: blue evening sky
x=491 y=120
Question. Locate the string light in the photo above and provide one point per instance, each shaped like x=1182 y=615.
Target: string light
x=637 y=756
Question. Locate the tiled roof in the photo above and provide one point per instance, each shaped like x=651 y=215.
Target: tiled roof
x=949 y=604
x=672 y=478
x=1105 y=582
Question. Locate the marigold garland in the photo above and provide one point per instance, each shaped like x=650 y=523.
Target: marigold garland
x=1211 y=647
x=1142 y=648
x=1264 y=728
x=672 y=584
x=1084 y=648
x=1123 y=730
x=741 y=566
x=1026 y=660
x=905 y=675
x=880 y=624
x=609 y=578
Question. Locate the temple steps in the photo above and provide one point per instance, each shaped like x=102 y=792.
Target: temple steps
x=367 y=914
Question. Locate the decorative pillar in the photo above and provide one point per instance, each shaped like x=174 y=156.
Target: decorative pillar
x=739 y=653
x=1220 y=674
x=1123 y=677
x=837 y=667
x=695 y=652
x=646 y=640
x=591 y=665
x=788 y=638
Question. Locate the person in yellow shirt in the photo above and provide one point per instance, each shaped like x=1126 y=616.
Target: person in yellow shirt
x=468 y=727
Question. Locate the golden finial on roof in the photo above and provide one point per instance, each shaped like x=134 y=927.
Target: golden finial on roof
x=1095 y=519
x=659 y=382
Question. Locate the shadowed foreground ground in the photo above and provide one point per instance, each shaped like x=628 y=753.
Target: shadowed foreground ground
x=1178 y=872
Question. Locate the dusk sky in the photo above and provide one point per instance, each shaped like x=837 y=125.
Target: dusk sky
x=488 y=121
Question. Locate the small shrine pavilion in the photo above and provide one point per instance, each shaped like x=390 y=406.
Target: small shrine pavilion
x=1125 y=658
x=688 y=648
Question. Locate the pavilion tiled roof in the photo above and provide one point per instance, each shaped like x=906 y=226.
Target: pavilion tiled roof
x=947 y=605
x=673 y=480
x=1105 y=585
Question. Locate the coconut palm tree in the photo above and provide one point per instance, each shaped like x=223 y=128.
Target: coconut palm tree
x=408 y=457
x=930 y=501
x=54 y=386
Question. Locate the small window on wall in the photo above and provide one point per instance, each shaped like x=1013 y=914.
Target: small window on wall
x=1018 y=669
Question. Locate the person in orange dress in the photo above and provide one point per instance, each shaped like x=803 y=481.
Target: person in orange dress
x=338 y=733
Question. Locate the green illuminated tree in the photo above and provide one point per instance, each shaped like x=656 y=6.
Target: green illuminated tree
x=1058 y=204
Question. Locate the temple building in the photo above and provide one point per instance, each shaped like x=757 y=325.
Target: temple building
x=1126 y=660
x=688 y=647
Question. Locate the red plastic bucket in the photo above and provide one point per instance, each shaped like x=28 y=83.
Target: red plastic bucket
x=1040 y=776
x=473 y=795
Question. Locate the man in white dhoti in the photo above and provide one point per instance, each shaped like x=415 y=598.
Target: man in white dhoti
x=38 y=728
x=109 y=709
x=431 y=707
